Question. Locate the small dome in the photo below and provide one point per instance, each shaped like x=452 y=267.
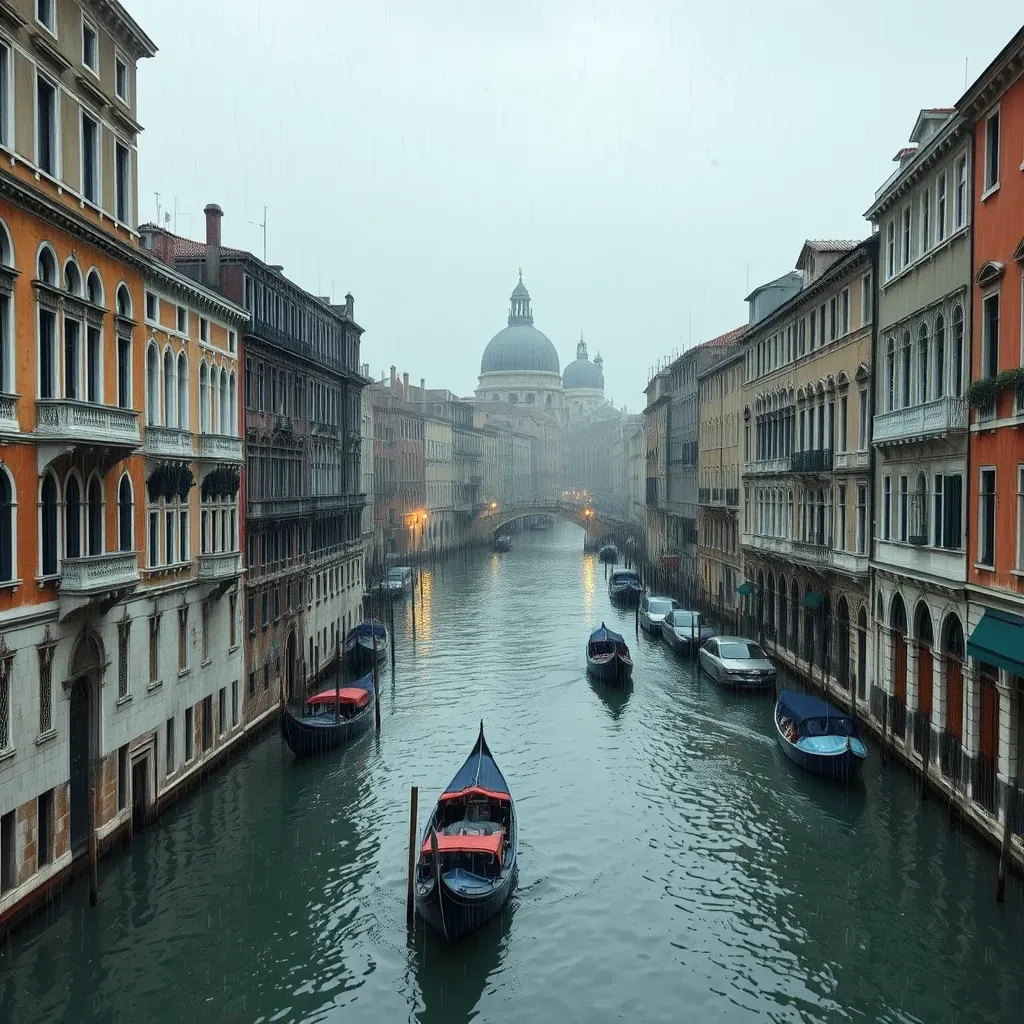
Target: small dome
x=520 y=347
x=582 y=373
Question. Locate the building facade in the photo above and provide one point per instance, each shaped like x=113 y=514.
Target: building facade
x=919 y=438
x=806 y=472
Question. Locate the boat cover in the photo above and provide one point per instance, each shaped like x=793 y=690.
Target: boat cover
x=605 y=634
x=625 y=576
x=813 y=717
x=468 y=844
x=478 y=773
x=358 y=693
x=363 y=631
x=458 y=794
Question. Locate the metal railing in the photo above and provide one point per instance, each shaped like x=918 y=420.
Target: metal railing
x=817 y=460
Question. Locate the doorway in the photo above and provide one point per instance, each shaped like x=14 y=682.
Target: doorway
x=140 y=794
x=79 y=744
x=290 y=667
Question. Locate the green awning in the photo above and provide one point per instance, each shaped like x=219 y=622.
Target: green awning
x=746 y=587
x=812 y=600
x=999 y=640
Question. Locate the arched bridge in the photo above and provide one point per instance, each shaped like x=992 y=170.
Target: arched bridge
x=600 y=526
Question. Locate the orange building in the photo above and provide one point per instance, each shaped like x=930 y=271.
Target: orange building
x=994 y=104
x=118 y=512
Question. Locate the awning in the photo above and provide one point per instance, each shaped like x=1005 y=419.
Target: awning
x=999 y=640
x=746 y=587
x=812 y=600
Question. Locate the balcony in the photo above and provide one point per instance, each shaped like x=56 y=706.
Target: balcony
x=850 y=461
x=275 y=508
x=812 y=553
x=218 y=566
x=817 y=460
x=167 y=442
x=96 y=579
x=67 y=424
x=769 y=545
x=337 y=502
x=764 y=467
x=9 y=414
x=947 y=415
x=850 y=562
x=220 y=448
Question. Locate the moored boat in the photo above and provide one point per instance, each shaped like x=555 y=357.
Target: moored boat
x=467 y=861
x=818 y=737
x=333 y=717
x=608 y=656
x=625 y=586
x=503 y=543
x=358 y=649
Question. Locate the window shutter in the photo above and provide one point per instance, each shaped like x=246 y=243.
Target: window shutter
x=953 y=518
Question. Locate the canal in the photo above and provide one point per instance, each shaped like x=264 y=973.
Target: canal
x=673 y=865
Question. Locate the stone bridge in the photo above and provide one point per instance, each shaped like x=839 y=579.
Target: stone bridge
x=600 y=526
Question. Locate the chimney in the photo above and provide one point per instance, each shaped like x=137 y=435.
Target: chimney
x=350 y=306
x=366 y=370
x=405 y=386
x=211 y=271
x=423 y=395
x=394 y=380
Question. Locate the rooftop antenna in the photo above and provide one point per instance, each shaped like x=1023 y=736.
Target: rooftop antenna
x=157 y=194
x=182 y=213
x=262 y=226
x=966 y=82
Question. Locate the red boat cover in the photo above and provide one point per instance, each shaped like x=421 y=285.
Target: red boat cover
x=476 y=791
x=468 y=844
x=352 y=695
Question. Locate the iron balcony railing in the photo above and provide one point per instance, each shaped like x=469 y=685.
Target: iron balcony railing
x=817 y=460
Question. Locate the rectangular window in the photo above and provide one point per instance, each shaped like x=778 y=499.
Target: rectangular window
x=170 y=746
x=842 y=424
x=182 y=320
x=154 y=649
x=264 y=606
x=992 y=151
x=231 y=341
x=121 y=78
x=8 y=862
x=990 y=335
x=6 y=106
x=183 y=550
x=252 y=683
x=183 y=638
x=190 y=734
x=940 y=208
x=905 y=238
x=90 y=158
x=841 y=517
x=862 y=436
x=234 y=702
x=832 y=319
x=46 y=126
x=205 y=620
x=987 y=518
x=222 y=711
x=890 y=249
x=904 y=507
x=862 y=519
x=926 y=220
x=1020 y=516
x=154 y=538
x=124 y=627
x=169 y=538
x=937 y=511
x=886 y=508
x=232 y=621
x=204 y=329
x=122 y=777
x=207 y=723
x=960 y=193
x=90 y=47
x=252 y=614
x=44 y=829
x=844 y=312
x=122 y=183
x=247 y=292
x=46 y=14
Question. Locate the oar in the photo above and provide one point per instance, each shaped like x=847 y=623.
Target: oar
x=437 y=878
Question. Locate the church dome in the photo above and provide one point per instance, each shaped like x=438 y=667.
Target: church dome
x=582 y=373
x=520 y=347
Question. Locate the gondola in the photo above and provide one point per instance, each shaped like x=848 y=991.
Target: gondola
x=335 y=717
x=358 y=650
x=608 y=553
x=818 y=737
x=625 y=587
x=503 y=543
x=467 y=862
x=608 y=656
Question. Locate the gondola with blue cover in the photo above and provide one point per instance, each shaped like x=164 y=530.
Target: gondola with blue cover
x=818 y=737
x=608 y=657
x=625 y=586
x=467 y=862
x=358 y=649
x=333 y=718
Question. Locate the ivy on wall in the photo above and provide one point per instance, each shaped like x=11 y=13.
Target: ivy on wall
x=170 y=481
x=222 y=482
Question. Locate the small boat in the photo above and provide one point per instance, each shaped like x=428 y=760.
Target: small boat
x=608 y=656
x=625 y=586
x=358 y=649
x=608 y=553
x=467 y=863
x=818 y=737
x=540 y=523
x=503 y=543
x=334 y=717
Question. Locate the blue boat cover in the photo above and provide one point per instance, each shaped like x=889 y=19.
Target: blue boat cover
x=363 y=631
x=479 y=770
x=813 y=717
x=604 y=633
x=625 y=576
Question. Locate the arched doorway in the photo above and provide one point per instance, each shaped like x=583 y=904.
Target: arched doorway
x=291 y=667
x=770 y=602
x=923 y=717
x=953 y=651
x=86 y=666
x=984 y=785
x=794 y=618
x=898 y=664
x=825 y=629
x=862 y=653
x=843 y=644
x=783 y=617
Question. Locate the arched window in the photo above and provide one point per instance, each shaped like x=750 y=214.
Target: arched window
x=72 y=278
x=531 y=398
x=6 y=246
x=513 y=398
x=940 y=355
x=923 y=367
x=214 y=395
x=94 y=517
x=232 y=406
x=225 y=405
x=48 y=500
x=152 y=386
x=547 y=402
x=170 y=404
x=6 y=318
x=898 y=662
x=47 y=268
x=94 y=288
x=182 y=391
x=72 y=518
x=204 y=397
x=956 y=370
x=124 y=301
x=125 y=515
x=905 y=371
x=890 y=375
x=8 y=527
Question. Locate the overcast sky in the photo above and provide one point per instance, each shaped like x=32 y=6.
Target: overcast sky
x=644 y=161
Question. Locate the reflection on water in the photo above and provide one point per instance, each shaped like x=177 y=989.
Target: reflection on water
x=673 y=864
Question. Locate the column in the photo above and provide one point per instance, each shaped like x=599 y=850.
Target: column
x=1006 y=766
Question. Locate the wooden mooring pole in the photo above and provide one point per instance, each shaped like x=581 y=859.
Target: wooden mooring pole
x=391 y=621
x=94 y=850
x=410 y=898
x=1011 y=806
x=376 y=676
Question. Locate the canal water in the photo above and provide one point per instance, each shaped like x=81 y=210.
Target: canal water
x=673 y=865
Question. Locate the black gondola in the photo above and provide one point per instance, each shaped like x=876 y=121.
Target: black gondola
x=336 y=716
x=467 y=863
x=608 y=656
x=609 y=553
x=625 y=586
x=359 y=644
